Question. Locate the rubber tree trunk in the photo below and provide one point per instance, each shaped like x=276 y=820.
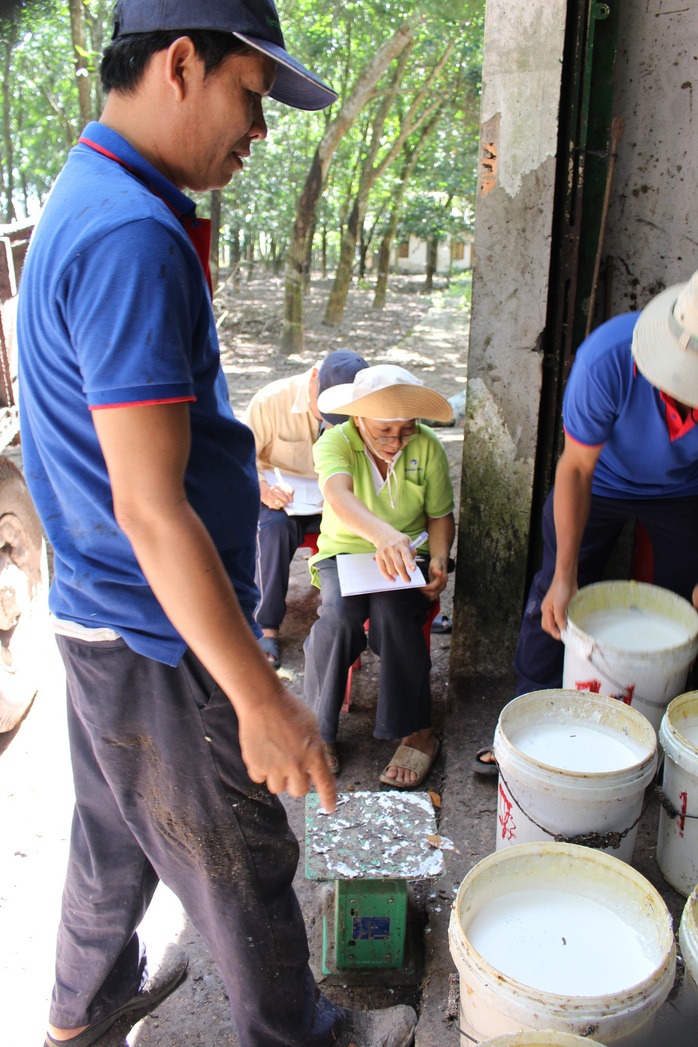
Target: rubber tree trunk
x=342 y=280
x=77 y=35
x=308 y=263
x=363 y=91
x=432 y=253
x=372 y=169
x=384 y=260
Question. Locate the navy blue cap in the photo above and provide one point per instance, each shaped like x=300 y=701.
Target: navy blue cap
x=255 y=22
x=338 y=368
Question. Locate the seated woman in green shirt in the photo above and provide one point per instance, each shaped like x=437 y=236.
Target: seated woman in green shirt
x=385 y=480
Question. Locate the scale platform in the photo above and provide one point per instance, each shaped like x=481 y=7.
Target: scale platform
x=370 y=848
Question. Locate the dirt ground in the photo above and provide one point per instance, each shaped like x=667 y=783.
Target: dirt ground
x=250 y=319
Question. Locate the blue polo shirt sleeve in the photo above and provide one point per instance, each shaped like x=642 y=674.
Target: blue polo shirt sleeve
x=599 y=383
x=144 y=329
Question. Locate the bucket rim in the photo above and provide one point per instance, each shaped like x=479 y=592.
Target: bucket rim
x=629 y=589
x=537 y=1038
x=644 y=767
x=675 y=743
x=629 y=998
x=688 y=933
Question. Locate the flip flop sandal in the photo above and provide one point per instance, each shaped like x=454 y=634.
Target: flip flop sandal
x=485 y=767
x=270 y=646
x=409 y=759
x=441 y=624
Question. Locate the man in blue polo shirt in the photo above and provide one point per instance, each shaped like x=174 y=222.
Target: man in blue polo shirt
x=631 y=452
x=181 y=734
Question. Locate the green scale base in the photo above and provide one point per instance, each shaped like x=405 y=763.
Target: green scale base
x=370 y=848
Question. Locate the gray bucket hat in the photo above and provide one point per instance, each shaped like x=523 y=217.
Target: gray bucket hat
x=665 y=341
x=255 y=22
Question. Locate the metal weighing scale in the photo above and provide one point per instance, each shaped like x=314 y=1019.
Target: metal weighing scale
x=370 y=847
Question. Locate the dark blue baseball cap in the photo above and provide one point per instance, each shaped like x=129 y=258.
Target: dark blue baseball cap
x=338 y=368
x=255 y=22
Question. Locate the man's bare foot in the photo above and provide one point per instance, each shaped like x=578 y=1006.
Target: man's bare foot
x=64 y=1034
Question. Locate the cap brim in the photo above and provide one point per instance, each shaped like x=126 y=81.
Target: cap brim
x=395 y=402
x=294 y=85
x=657 y=352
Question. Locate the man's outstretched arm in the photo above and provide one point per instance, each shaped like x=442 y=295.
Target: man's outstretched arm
x=146 y=449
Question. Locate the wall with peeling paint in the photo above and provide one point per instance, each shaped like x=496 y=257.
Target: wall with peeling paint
x=520 y=106
x=651 y=239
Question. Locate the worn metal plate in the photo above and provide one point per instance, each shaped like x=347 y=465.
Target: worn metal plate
x=372 y=836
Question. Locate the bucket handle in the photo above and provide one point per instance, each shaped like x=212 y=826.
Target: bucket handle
x=669 y=807
x=598 y=841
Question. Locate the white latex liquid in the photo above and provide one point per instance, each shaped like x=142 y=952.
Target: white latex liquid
x=554 y=941
x=634 y=629
x=576 y=747
x=689 y=730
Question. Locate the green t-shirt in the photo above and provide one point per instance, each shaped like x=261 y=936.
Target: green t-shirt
x=420 y=487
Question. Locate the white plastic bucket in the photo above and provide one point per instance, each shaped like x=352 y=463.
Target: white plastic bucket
x=572 y=768
x=544 y=1038
x=687 y=1000
x=676 y=1022
x=591 y=937
x=632 y=641
x=677 y=839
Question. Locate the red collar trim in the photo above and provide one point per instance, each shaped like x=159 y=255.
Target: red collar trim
x=676 y=425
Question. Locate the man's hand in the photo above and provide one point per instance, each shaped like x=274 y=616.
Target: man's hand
x=276 y=497
x=281 y=745
x=554 y=606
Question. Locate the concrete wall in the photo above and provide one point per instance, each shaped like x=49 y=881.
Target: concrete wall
x=520 y=106
x=652 y=233
x=651 y=238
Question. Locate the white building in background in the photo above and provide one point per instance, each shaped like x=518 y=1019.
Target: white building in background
x=453 y=254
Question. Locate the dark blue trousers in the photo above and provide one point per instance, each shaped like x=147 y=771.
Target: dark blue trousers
x=162 y=794
x=278 y=537
x=672 y=526
x=337 y=639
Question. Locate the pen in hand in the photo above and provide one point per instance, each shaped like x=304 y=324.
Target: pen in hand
x=419 y=540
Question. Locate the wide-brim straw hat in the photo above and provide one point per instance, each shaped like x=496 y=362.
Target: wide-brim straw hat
x=386 y=392
x=665 y=341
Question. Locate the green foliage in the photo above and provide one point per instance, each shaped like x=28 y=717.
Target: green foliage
x=337 y=39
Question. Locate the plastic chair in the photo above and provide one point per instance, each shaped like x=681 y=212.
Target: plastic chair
x=310 y=542
x=434 y=609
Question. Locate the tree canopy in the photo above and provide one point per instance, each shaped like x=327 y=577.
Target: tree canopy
x=407 y=74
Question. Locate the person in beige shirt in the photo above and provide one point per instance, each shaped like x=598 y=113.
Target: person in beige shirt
x=286 y=423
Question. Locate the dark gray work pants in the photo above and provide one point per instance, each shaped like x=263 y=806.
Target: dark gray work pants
x=162 y=793
x=278 y=537
x=337 y=639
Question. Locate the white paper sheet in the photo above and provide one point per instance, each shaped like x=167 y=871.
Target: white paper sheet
x=307 y=500
x=359 y=573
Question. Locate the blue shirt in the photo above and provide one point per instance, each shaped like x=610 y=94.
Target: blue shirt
x=608 y=401
x=114 y=309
